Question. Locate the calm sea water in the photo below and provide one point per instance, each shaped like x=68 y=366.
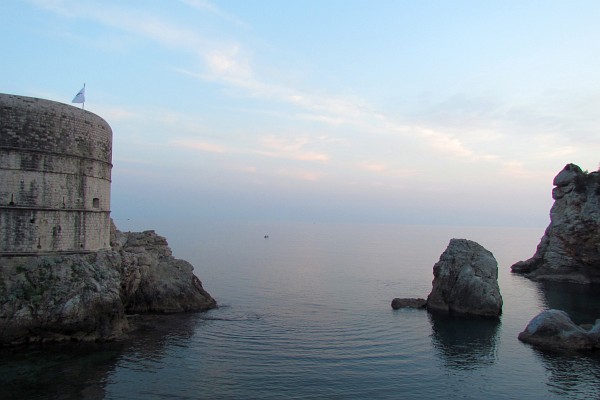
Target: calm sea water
x=305 y=314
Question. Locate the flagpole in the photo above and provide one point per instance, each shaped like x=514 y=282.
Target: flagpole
x=83 y=104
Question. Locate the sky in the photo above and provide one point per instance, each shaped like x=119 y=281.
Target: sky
x=389 y=111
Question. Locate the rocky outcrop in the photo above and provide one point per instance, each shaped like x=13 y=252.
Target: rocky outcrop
x=85 y=297
x=399 y=303
x=569 y=251
x=152 y=280
x=554 y=330
x=55 y=298
x=466 y=281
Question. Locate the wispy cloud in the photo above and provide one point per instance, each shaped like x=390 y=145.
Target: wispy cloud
x=114 y=113
x=229 y=63
x=291 y=149
x=374 y=167
x=270 y=146
x=201 y=146
x=516 y=169
x=449 y=145
x=142 y=24
x=466 y=129
x=387 y=170
x=203 y=5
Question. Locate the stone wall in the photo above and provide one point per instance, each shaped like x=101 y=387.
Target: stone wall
x=55 y=177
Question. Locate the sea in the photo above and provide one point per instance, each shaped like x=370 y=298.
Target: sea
x=305 y=314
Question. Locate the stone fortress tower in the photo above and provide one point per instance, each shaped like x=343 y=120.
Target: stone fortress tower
x=55 y=177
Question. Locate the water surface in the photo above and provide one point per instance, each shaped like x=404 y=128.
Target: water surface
x=305 y=314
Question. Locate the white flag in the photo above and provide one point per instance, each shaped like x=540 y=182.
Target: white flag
x=80 y=97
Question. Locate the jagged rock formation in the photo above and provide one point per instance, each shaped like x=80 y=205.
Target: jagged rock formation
x=466 y=281
x=87 y=296
x=569 y=251
x=152 y=280
x=554 y=330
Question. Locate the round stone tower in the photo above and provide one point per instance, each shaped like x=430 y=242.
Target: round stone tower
x=55 y=175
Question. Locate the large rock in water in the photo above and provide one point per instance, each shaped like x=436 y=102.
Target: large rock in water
x=86 y=297
x=569 y=251
x=466 y=281
x=554 y=330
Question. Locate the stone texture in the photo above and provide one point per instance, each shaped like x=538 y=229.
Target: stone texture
x=569 y=251
x=64 y=297
x=86 y=297
x=55 y=174
x=398 y=303
x=66 y=273
x=465 y=281
x=554 y=330
x=152 y=280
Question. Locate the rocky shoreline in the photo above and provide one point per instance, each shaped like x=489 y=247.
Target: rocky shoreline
x=569 y=251
x=465 y=277
x=87 y=297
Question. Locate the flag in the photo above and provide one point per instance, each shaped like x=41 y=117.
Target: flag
x=80 y=96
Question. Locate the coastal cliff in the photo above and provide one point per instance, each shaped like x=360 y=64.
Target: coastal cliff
x=152 y=280
x=86 y=297
x=569 y=251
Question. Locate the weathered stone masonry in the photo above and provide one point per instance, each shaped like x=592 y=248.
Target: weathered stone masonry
x=55 y=177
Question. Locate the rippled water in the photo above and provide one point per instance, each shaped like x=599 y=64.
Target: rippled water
x=306 y=314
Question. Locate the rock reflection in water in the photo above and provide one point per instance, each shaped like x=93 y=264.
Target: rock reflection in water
x=572 y=376
x=57 y=371
x=464 y=343
x=82 y=370
x=581 y=302
x=576 y=375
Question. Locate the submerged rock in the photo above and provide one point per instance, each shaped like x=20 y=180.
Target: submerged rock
x=85 y=297
x=466 y=281
x=398 y=303
x=569 y=251
x=554 y=329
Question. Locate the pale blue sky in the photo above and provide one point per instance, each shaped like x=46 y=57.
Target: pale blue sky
x=436 y=112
